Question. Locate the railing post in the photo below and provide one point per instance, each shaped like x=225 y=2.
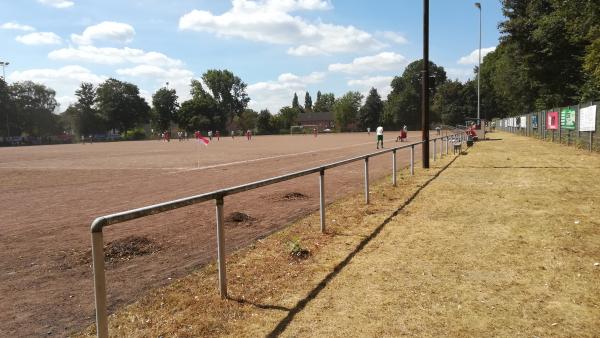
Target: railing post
x=99 y=284
x=221 y=248
x=434 y=148
x=591 y=140
x=394 y=167
x=447 y=144
x=322 y=198
x=412 y=159
x=367 y=180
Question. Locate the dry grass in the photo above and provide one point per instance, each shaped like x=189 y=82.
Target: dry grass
x=503 y=243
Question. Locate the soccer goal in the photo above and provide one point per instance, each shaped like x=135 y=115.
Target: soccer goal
x=304 y=129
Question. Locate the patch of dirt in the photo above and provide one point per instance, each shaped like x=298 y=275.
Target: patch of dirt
x=129 y=247
x=239 y=217
x=293 y=196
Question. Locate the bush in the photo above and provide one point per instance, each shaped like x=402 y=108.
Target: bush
x=135 y=134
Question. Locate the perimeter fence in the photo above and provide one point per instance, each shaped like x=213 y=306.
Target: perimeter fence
x=219 y=195
x=572 y=125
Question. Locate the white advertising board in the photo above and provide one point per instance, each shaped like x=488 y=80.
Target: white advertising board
x=587 y=118
x=524 y=121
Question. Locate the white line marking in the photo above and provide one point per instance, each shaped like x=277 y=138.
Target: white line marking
x=266 y=158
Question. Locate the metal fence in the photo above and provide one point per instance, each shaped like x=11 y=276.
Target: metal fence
x=99 y=223
x=572 y=125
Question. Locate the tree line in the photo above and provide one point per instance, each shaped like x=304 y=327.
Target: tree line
x=548 y=56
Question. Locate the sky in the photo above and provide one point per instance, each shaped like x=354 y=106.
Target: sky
x=277 y=47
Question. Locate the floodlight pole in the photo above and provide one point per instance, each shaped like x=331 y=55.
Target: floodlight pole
x=4 y=64
x=425 y=86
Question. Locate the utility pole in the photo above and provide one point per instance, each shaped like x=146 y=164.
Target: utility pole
x=478 y=5
x=425 y=86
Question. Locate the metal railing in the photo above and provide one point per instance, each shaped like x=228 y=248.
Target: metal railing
x=99 y=223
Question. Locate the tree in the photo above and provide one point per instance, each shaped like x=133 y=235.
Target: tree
x=345 y=110
x=121 y=105
x=324 y=102
x=371 y=113
x=288 y=116
x=6 y=108
x=247 y=120
x=33 y=105
x=83 y=115
x=307 y=102
x=164 y=108
x=295 y=103
x=228 y=90
x=453 y=102
x=197 y=114
x=263 y=122
x=403 y=106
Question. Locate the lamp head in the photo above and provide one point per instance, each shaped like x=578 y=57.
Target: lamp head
x=478 y=5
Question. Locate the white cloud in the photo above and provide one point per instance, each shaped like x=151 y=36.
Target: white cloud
x=155 y=72
x=57 y=3
x=386 y=61
x=71 y=73
x=461 y=74
x=381 y=83
x=64 y=80
x=393 y=36
x=270 y=21
x=107 y=30
x=112 y=56
x=39 y=38
x=178 y=78
x=473 y=58
x=275 y=94
x=16 y=26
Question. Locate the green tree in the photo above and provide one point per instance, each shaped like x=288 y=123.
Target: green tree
x=295 y=103
x=403 y=106
x=84 y=117
x=307 y=102
x=198 y=114
x=453 y=102
x=324 y=102
x=263 y=122
x=164 y=108
x=247 y=120
x=345 y=110
x=6 y=109
x=34 y=105
x=121 y=105
x=371 y=112
x=228 y=90
x=288 y=116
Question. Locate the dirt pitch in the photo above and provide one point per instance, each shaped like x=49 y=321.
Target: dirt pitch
x=50 y=194
x=502 y=242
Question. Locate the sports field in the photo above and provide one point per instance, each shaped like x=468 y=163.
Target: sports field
x=50 y=195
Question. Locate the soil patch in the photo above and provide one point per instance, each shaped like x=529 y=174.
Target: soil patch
x=239 y=217
x=293 y=196
x=129 y=247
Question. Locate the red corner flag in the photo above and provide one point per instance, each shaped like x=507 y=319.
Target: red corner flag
x=203 y=140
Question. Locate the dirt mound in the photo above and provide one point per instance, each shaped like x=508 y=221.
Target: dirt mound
x=239 y=217
x=292 y=196
x=129 y=247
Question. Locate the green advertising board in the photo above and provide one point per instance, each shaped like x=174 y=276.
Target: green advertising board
x=567 y=118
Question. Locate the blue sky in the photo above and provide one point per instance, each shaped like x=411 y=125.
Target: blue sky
x=277 y=47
